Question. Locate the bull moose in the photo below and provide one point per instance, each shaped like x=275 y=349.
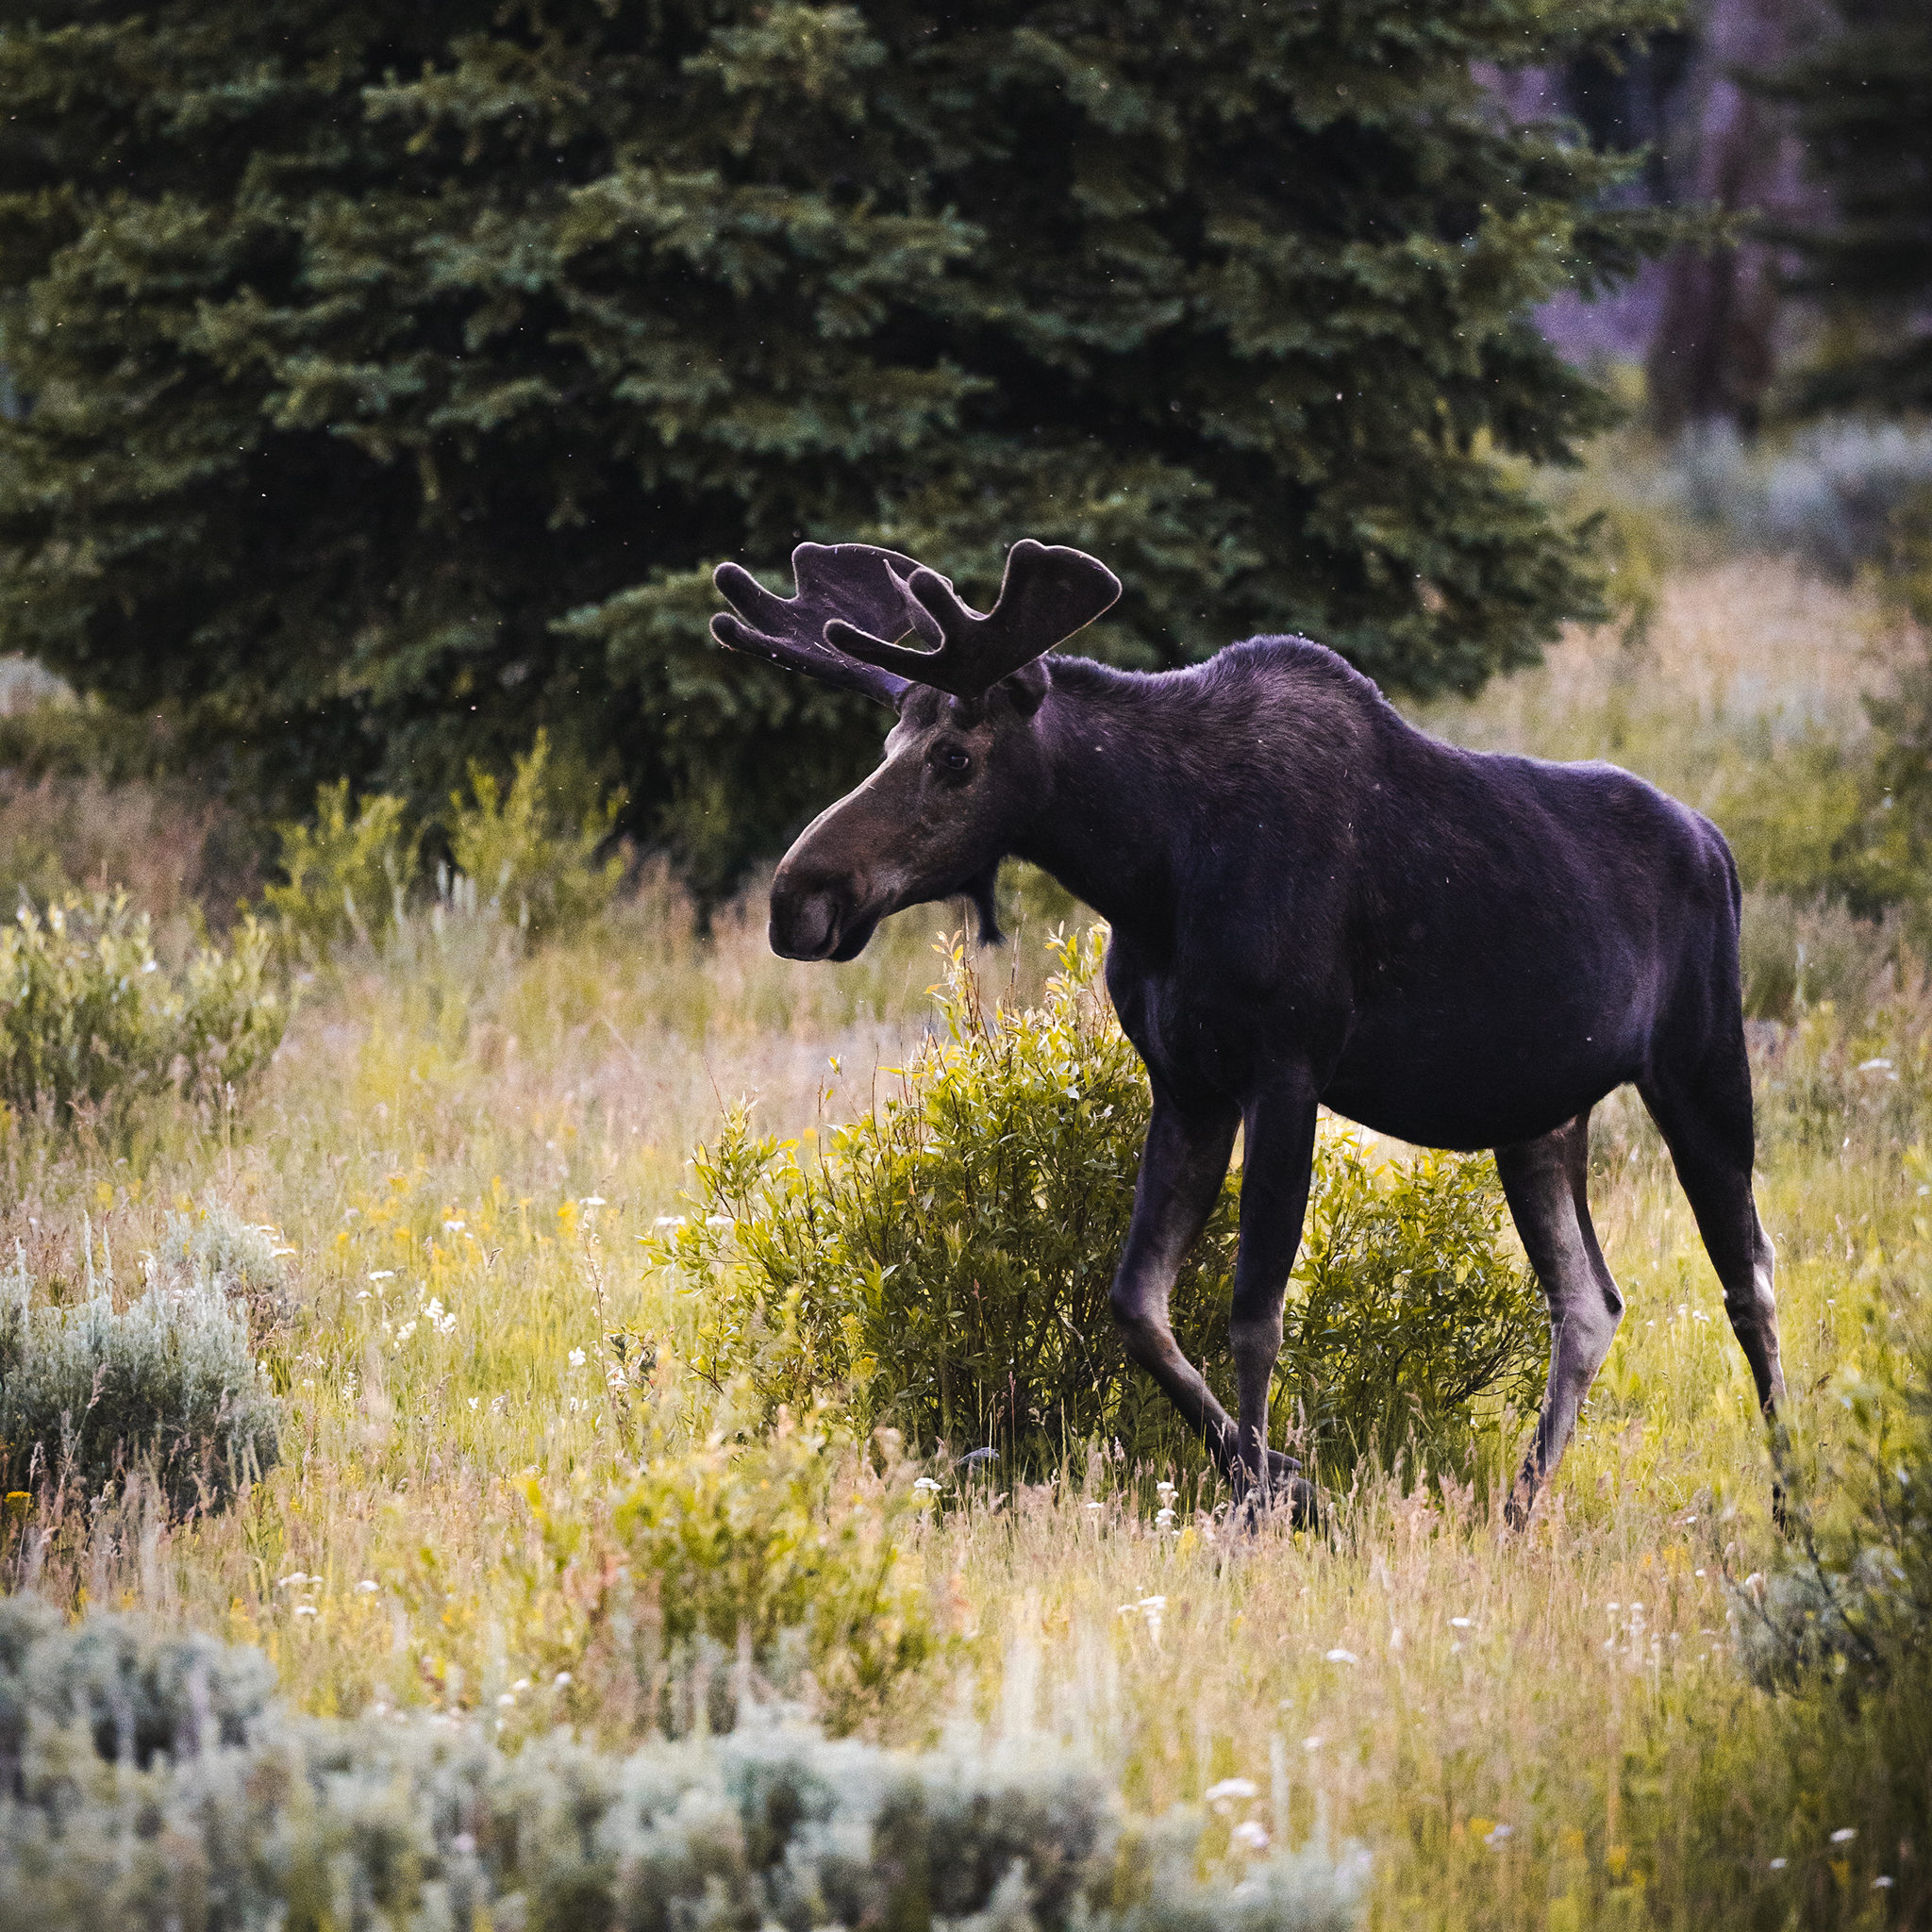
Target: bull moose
x=1311 y=901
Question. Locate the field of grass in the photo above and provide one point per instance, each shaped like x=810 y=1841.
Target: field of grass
x=460 y=1144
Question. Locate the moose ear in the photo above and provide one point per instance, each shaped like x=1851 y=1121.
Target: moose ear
x=1025 y=688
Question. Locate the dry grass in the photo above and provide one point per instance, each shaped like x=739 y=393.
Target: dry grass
x=1750 y=655
x=458 y=1125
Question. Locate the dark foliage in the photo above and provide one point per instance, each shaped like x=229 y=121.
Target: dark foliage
x=394 y=376
x=1863 y=103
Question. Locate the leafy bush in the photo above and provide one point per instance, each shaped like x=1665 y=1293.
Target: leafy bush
x=343 y=877
x=789 y=1543
x=1407 y=1327
x=946 y=1261
x=168 y=1387
x=257 y=1818
x=90 y=1017
x=531 y=851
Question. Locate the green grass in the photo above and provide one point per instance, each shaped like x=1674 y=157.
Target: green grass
x=462 y=1139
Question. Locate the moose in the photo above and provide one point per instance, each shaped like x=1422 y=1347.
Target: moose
x=1312 y=902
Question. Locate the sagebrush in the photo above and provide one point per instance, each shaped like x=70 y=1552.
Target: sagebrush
x=166 y=1388
x=245 y=1817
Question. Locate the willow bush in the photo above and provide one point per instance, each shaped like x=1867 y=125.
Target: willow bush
x=944 y=1262
x=793 y=1549
x=526 y=853
x=92 y=1020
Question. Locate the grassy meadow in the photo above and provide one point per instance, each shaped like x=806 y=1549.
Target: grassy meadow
x=462 y=1139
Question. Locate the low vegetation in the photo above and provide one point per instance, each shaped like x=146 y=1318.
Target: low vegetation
x=163 y=1391
x=527 y=853
x=93 y=1024
x=145 y=1781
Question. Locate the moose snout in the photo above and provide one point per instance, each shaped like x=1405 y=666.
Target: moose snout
x=805 y=917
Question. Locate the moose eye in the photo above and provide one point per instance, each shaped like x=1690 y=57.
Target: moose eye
x=952 y=757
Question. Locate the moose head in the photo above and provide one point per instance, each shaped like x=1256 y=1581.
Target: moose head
x=934 y=821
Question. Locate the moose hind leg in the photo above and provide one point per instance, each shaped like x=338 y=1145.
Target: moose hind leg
x=1544 y=1181
x=1704 y=1117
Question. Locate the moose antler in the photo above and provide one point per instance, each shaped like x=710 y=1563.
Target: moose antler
x=1048 y=592
x=834 y=581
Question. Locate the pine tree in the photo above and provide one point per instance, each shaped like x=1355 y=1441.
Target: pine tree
x=1862 y=98
x=395 y=375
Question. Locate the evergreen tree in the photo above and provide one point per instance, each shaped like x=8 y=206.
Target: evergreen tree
x=1863 y=97
x=394 y=375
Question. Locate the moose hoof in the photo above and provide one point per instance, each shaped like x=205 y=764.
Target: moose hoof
x=1288 y=1494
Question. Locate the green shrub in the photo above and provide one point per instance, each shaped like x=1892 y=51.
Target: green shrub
x=167 y=1387
x=1407 y=1328
x=945 y=1263
x=90 y=1018
x=530 y=852
x=343 y=877
x=254 y=1817
x=793 y=1544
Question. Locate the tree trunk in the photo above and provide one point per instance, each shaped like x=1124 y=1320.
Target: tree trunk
x=1714 y=352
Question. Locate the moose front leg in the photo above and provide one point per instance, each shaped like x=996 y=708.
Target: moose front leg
x=1182 y=1168
x=1277 y=1156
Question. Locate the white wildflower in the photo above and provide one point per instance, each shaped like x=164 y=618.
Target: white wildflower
x=1343 y=1657
x=1231 y=1788
x=1250 y=1835
x=577 y=1357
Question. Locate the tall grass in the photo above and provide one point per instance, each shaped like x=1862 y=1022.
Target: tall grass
x=462 y=1139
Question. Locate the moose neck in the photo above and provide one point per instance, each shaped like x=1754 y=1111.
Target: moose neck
x=1115 y=814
